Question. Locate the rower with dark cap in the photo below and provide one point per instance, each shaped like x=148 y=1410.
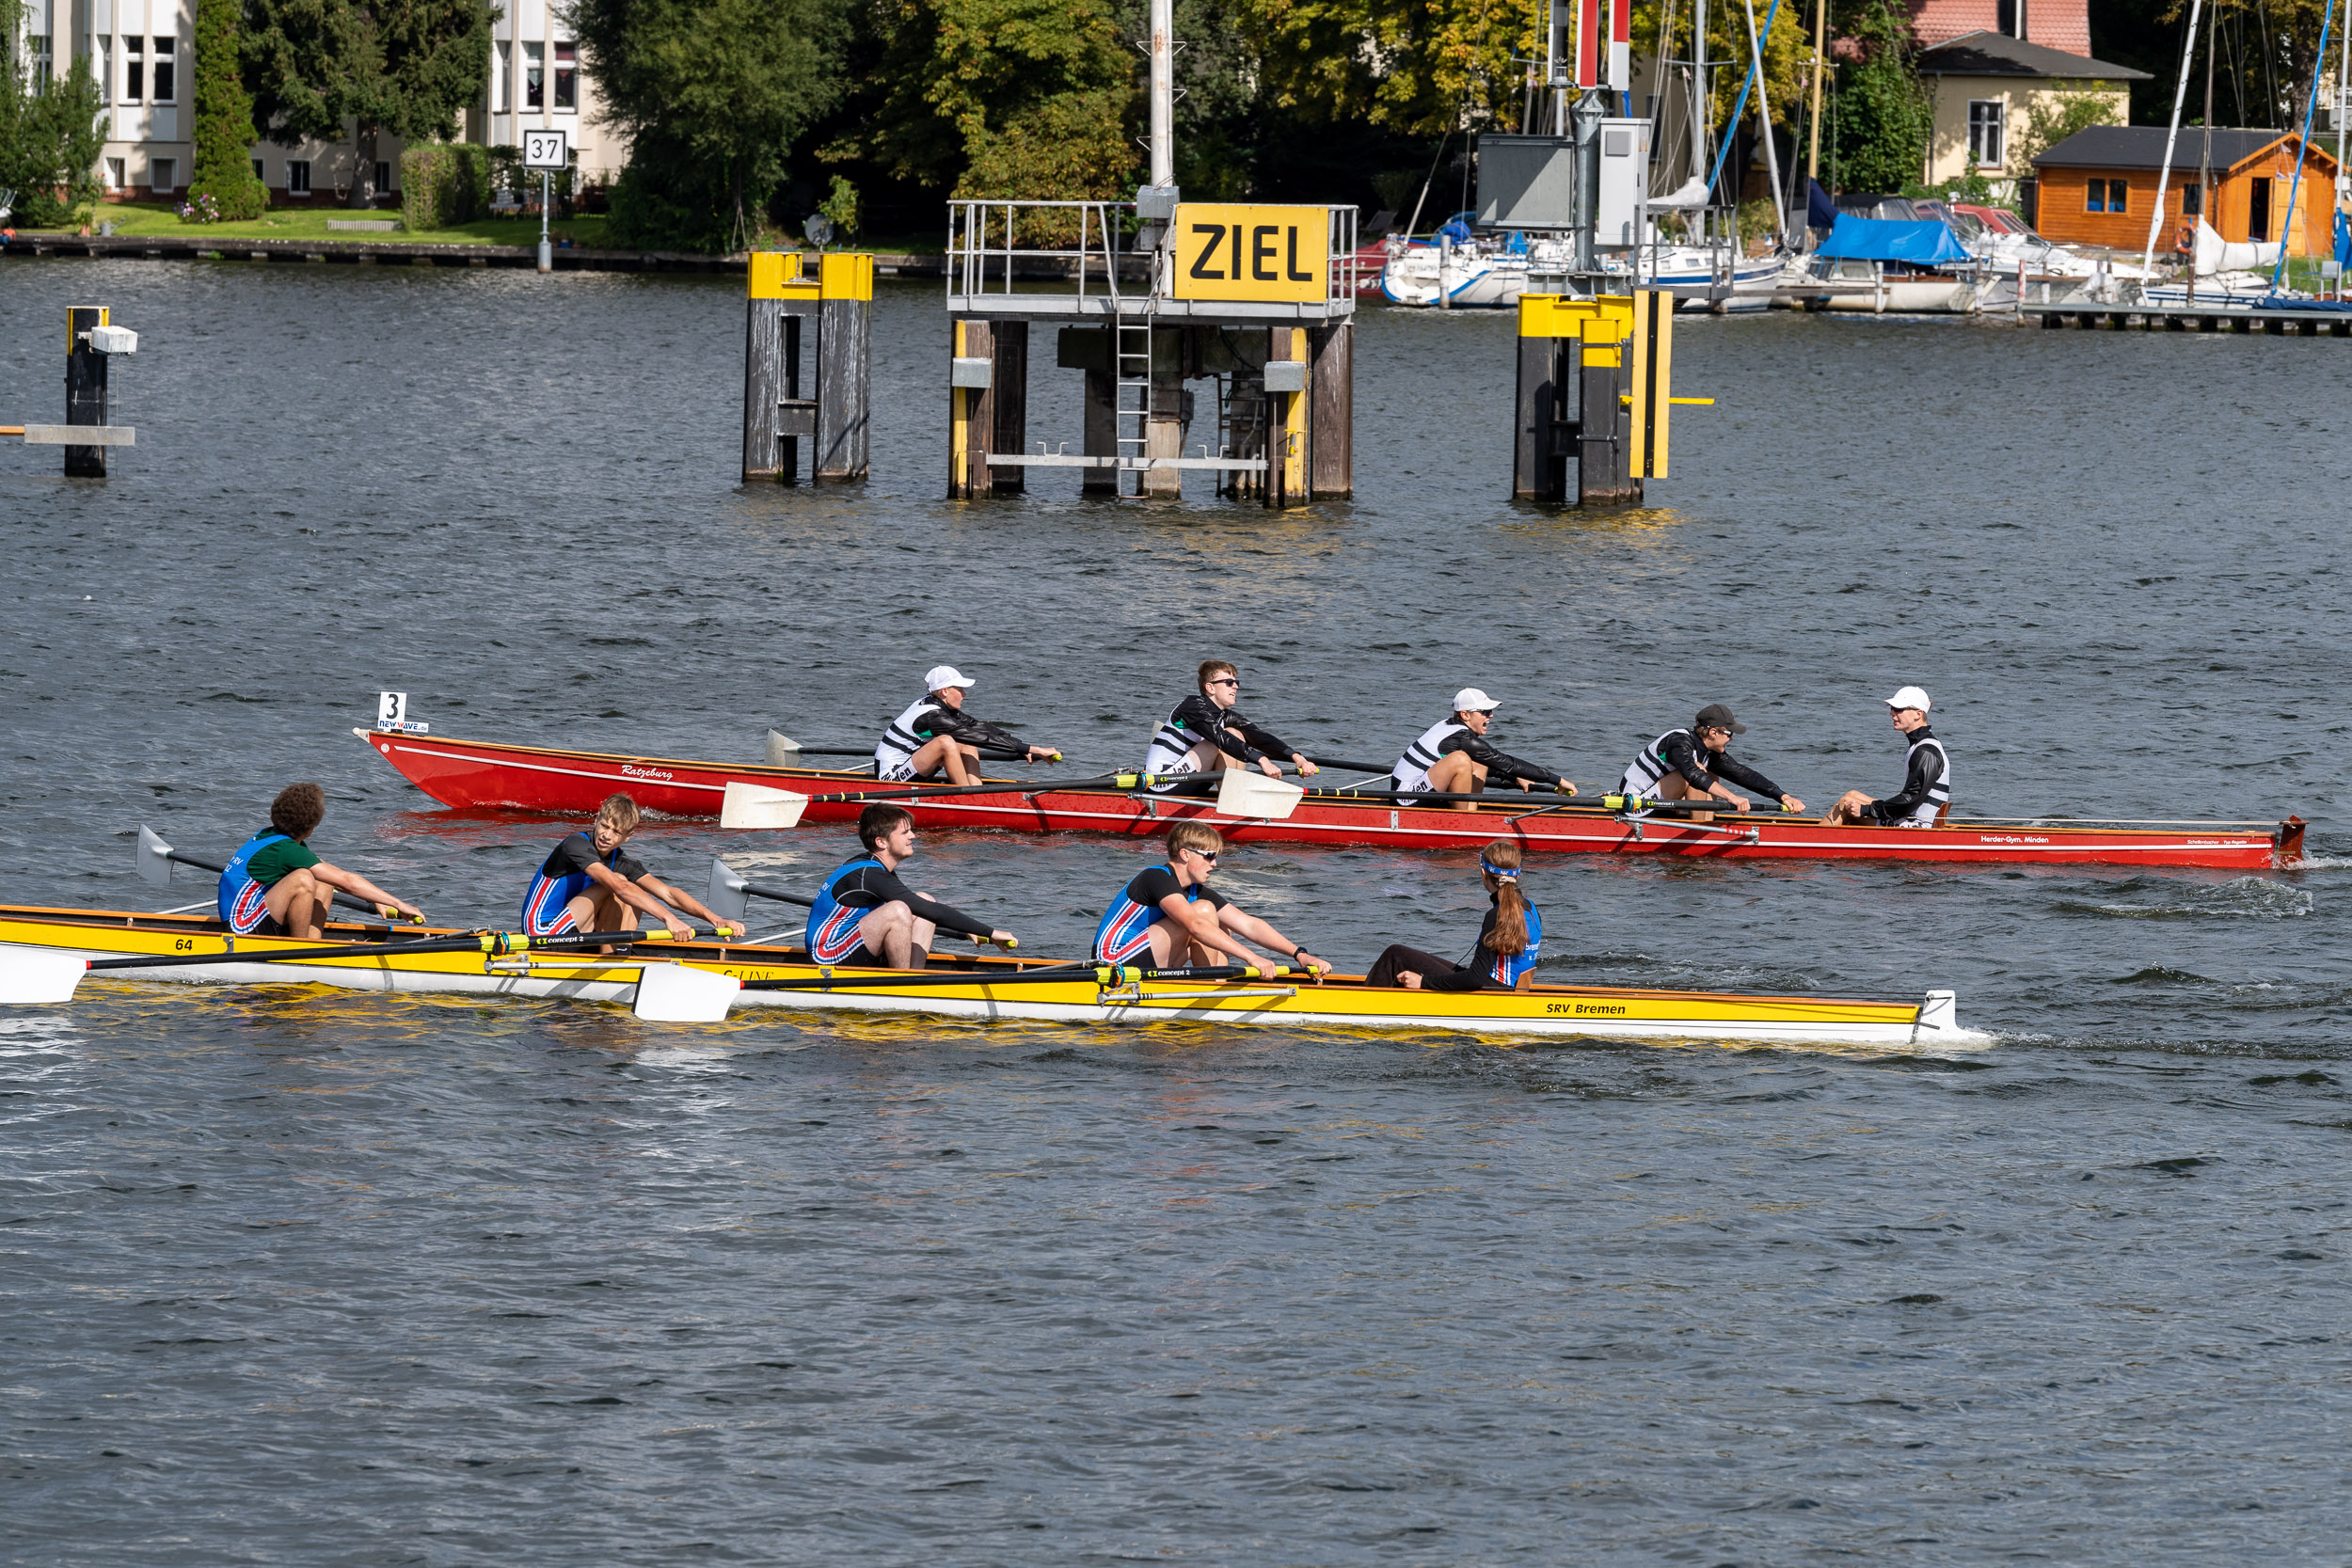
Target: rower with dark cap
x=1926 y=798
x=936 y=735
x=865 y=917
x=1685 y=765
x=276 y=886
x=1454 y=757
x=1206 y=733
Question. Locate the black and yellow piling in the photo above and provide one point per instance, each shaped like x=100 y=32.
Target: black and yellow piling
x=1595 y=388
x=84 y=387
x=835 y=297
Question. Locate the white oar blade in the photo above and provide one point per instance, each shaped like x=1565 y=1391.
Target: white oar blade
x=1249 y=794
x=727 y=896
x=32 y=979
x=751 y=805
x=155 y=859
x=783 y=750
x=678 y=993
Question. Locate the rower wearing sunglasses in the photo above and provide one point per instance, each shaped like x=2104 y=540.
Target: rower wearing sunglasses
x=1207 y=734
x=1169 y=918
x=1687 y=765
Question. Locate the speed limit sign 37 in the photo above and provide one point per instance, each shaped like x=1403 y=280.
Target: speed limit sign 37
x=546 y=150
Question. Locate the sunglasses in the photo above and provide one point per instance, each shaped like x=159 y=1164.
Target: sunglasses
x=1209 y=855
x=1227 y=680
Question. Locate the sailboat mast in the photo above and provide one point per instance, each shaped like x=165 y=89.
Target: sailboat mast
x=1821 y=47
x=2180 y=96
x=2204 y=154
x=1764 y=123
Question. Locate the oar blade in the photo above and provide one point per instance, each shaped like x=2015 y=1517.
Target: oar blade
x=730 y=895
x=1241 y=793
x=155 y=859
x=783 y=750
x=29 y=978
x=680 y=994
x=751 y=805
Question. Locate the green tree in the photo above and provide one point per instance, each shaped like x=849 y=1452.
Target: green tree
x=1883 y=118
x=1022 y=99
x=1425 y=66
x=397 y=67
x=224 y=117
x=2075 y=106
x=711 y=94
x=50 y=131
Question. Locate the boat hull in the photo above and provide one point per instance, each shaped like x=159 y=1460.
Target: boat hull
x=1929 y=1023
x=485 y=775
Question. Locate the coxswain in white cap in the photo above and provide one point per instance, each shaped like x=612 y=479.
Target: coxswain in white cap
x=1206 y=733
x=1682 y=765
x=936 y=736
x=1453 y=756
x=1926 y=798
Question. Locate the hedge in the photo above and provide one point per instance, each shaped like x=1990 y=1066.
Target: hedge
x=444 y=184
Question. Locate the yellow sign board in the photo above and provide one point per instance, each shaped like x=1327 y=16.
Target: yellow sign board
x=1227 y=251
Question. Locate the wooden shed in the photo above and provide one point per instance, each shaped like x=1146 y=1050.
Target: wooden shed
x=2096 y=187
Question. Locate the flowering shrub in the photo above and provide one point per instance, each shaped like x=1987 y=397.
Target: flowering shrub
x=201 y=209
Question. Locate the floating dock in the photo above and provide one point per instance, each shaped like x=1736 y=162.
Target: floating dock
x=2192 y=318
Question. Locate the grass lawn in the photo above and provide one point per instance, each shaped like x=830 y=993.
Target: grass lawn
x=309 y=222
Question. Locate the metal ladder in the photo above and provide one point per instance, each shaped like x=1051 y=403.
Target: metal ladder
x=1131 y=349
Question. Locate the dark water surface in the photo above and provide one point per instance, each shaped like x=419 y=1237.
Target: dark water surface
x=312 y=1279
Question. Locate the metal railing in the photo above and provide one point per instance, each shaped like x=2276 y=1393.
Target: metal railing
x=1089 y=247
x=1076 y=241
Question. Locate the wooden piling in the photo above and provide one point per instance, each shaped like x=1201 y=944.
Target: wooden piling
x=830 y=311
x=1538 y=467
x=84 y=387
x=972 y=414
x=1331 y=414
x=1164 y=432
x=845 y=366
x=1008 y=392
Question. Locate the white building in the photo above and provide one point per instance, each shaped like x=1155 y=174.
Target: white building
x=143 y=53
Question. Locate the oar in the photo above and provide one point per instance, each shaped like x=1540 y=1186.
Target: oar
x=1102 y=974
x=31 y=977
x=785 y=751
x=730 y=896
x=1011 y=786
x=155 y=857
x=1347 y=767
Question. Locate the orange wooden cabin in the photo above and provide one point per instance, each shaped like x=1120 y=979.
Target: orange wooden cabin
x=2096 y=187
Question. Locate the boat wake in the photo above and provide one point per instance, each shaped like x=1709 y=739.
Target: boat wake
x=2240 y=898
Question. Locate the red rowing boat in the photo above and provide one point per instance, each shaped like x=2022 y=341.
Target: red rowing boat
x=484 y=774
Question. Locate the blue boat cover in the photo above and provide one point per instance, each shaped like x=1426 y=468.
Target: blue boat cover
x=1925 y=242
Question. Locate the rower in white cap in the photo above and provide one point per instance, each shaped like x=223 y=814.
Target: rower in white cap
x=1926 y=798
x=936 y=735
x=1453 y=756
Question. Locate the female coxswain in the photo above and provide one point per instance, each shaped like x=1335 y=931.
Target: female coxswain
x=1509 y=943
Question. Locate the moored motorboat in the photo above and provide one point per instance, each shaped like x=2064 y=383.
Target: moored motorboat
x=43 y=941
x=500 y=776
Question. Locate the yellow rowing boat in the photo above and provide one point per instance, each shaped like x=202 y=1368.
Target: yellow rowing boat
x=44 y=952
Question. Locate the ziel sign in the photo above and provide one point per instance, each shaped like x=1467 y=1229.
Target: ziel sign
x=1252 y=252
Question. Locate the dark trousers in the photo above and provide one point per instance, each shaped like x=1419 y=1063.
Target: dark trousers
x=1398 y=956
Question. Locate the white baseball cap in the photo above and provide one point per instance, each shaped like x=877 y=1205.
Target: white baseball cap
x=1470 y=700
x=1909 y=696
x=945 y=675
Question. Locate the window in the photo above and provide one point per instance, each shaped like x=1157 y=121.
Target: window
x=115 y=174
x=2095 y=195
x=164 y=72
x=2107 y=196
x=260 y=176
x=502 y=73
x=383 y=174
x=534 y=76
x=133 y=70
x=106 y=71
x=566 y=75
x=2258 y=209
x=2011 y=18
x=1985 y=119
x=2117 y=194
x=298 y=177
x=163 y=174
x=37 y=46
x=2192 y=200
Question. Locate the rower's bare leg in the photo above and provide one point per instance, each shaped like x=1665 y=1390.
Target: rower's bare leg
x=1455 y=774
x=891 y=930
x=1847 y=810
x=941 y=753
x=299 y=902
x=1674 y=787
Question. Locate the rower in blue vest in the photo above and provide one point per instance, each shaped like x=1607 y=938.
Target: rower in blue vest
x=1167 y=918
x=274 y=886
x=590 y=883
x=866 y=918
